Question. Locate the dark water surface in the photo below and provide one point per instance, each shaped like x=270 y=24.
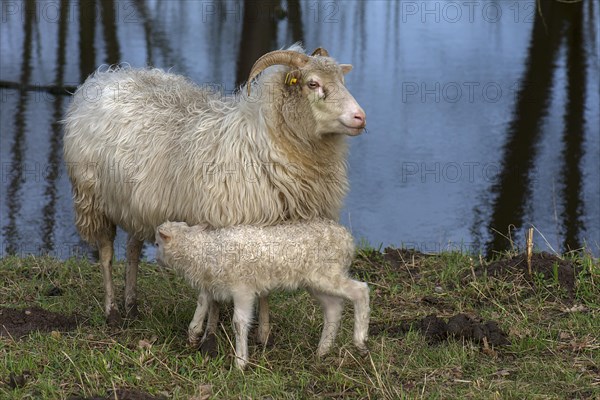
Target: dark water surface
x=481 y=115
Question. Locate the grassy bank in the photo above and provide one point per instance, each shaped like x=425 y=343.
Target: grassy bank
x=554 y=349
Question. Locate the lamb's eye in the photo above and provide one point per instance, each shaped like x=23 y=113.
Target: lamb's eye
x=312 y=85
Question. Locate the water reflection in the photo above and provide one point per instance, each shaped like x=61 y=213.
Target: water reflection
x=259 y=34
x=55 y=149
x=87 y=45
x=219 y=41
x=573 y=136
x=109 y=27
x=17 y=151
x=556 y=24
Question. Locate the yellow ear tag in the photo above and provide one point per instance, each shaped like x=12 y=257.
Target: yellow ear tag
x=290 y=79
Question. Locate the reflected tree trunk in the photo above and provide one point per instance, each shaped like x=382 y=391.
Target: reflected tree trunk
x=113 y=52
x=51 y=172
x=87 y=33
x=512 y=188
x=157 y=37
x=295 y=20
x=17 y=167
x=574 y=127
x=259 y=34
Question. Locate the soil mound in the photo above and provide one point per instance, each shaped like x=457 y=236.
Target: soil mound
x=18 y=323
x=460 y=326
x=548 y=265
x=398 y=257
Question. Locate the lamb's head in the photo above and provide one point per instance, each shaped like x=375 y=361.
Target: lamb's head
x=315 y=82
x=169 y=238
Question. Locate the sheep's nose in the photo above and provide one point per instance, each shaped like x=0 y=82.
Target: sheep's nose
x=360 y=117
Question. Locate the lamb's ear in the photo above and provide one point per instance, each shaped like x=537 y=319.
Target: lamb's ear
x=346 y=68
x=164 y=234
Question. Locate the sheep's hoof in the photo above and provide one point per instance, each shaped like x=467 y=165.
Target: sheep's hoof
x=131 y=311
x=266 y=342
x=113 y=319
x=208 y=347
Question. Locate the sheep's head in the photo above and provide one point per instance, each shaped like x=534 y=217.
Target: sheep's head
x=319 y=79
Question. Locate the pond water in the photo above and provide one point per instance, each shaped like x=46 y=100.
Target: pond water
x=481 y=115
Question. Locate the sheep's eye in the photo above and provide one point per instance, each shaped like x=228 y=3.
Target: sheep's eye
x=313 y=85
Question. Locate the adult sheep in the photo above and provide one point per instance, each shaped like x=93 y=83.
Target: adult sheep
x=143 y=146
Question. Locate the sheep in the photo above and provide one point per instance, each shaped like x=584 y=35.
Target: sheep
x=143 y=146
x=240 y=262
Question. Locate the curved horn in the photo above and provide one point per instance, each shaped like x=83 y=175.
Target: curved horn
x=278 y=57
x=319 y=51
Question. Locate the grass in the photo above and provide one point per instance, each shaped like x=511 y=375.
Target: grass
x=554 y=350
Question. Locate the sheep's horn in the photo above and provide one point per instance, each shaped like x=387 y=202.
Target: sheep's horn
x=319 y=51
x=278 y=57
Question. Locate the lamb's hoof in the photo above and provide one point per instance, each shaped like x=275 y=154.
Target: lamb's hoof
x=113 y=319
x=321 y=354
x=194 y=343
x=363 y=350
x=240 y=364
x=208 y=347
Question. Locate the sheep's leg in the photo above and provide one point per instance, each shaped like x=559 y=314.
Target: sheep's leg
x=332 y=315
x=358 y=293
x=106 y=253
x=195 y=327
x=243 y=308
x=208 y=345
x=264 y=328
x=134 y=250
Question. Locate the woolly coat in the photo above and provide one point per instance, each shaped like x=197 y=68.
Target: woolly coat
x=146 y=146
x=256 y=259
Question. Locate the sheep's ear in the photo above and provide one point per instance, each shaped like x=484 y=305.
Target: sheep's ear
x=346 y=68
x=293 y=77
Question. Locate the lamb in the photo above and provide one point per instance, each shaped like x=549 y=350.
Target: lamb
x=240 y=262
x=143 y=146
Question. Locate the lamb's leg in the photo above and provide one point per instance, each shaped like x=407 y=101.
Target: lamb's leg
x=358 y=293
x=264 y=328
x=134 y=250
x=208 y=345
x=332 y=314
x=243 y=307
x=195 y=327
x=106 y=253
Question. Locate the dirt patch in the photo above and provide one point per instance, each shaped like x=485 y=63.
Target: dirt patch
x=400 y=257
x=372 y=264
x=460 y=326
x=122 y=394
x=548 y=265
x=16 y=381
x=18 y=323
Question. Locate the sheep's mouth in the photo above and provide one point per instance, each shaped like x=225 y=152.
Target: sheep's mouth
x=353 y=130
